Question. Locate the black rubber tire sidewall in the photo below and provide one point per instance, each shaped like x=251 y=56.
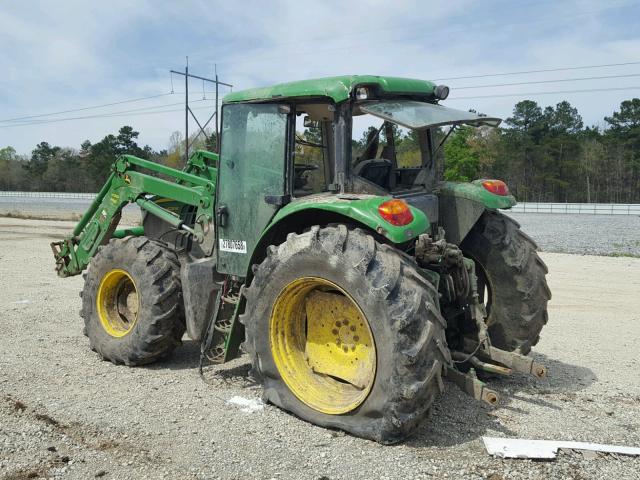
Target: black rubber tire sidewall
x=159 y=326
x=517 y=278
x=403 y=389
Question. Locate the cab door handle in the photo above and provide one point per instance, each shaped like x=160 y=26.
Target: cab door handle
x=222 y=213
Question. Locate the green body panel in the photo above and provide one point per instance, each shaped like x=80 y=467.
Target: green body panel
x=361 y=208
x=474 y=191
x=336 y=88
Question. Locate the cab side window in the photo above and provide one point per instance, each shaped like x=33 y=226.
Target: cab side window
x=309 y=162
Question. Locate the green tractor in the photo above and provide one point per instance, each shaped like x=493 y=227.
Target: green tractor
x=354 y=282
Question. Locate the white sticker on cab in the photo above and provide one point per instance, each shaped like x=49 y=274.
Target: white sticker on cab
x=234 y=246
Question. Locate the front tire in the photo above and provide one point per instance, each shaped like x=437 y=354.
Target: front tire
x=345 y=333
x=131 y=301
x=516 y=293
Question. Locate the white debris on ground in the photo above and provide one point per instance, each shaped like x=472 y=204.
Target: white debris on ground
x=248 y=405
x=546 y=449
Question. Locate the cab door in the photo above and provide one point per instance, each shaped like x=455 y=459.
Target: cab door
x=251 y=179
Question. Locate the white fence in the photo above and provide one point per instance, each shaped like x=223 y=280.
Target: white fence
x=578 y=208
x=63 y=195
x=55 y=206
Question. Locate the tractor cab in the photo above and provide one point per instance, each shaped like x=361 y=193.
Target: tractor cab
x=326 y=117
x=295 y=144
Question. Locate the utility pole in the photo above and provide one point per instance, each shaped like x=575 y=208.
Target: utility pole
x=187 y=109
x=215 y=71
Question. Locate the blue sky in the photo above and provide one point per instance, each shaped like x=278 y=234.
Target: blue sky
x=69 y=54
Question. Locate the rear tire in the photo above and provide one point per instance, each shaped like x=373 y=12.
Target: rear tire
x=507 y=262
x=400 y=306
x=132 y=301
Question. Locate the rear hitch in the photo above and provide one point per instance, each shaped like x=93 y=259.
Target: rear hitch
x=460 y=357
x=481 y=359
x=469 y=384
x=517 y=362
x=512 y=360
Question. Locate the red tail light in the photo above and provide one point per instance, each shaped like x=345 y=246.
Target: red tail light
x=497 y=187
x=396 y=212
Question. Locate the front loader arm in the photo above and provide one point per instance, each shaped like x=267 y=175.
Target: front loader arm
x=127 y=184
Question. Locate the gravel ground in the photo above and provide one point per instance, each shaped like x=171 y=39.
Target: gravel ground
x=66 y=414
x=615 y=235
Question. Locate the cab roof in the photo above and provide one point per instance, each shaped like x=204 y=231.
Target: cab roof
x=337 y=89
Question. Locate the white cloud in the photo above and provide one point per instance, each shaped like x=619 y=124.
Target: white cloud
x=72 y=54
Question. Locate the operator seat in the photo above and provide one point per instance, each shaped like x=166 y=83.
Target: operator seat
x=371 y=150
x=377 y=170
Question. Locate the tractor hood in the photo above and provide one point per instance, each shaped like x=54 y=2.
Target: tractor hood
x=417 y=115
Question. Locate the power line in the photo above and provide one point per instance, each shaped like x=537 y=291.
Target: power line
x=126 y=114
x=548 y=81
x=17 y=119
x=522 y=72
x=152 y=109
x=546 y=70
x=106 y=115
x=532 y=94
x=86 y=108
x=149 y=109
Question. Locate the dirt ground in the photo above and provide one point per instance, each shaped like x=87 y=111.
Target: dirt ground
x=66 y=414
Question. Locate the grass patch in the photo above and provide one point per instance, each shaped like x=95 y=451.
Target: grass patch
x=623 y=254
x=26 y=216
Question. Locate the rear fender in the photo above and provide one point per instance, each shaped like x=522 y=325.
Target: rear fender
x=462 y=204
x=356 y=210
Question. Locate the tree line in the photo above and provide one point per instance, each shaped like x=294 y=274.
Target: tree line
x=52 y=168
x=544 y=154
x=548 y=155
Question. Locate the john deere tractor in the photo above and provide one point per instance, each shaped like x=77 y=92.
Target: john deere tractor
x=354 y=282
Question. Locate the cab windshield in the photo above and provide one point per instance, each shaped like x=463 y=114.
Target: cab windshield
x=417 y=115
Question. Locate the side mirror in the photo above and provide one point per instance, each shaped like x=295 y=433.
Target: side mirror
x=308 y=123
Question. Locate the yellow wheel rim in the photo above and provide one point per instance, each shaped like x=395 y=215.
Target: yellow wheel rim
x=117 y=303
x=322 y=345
